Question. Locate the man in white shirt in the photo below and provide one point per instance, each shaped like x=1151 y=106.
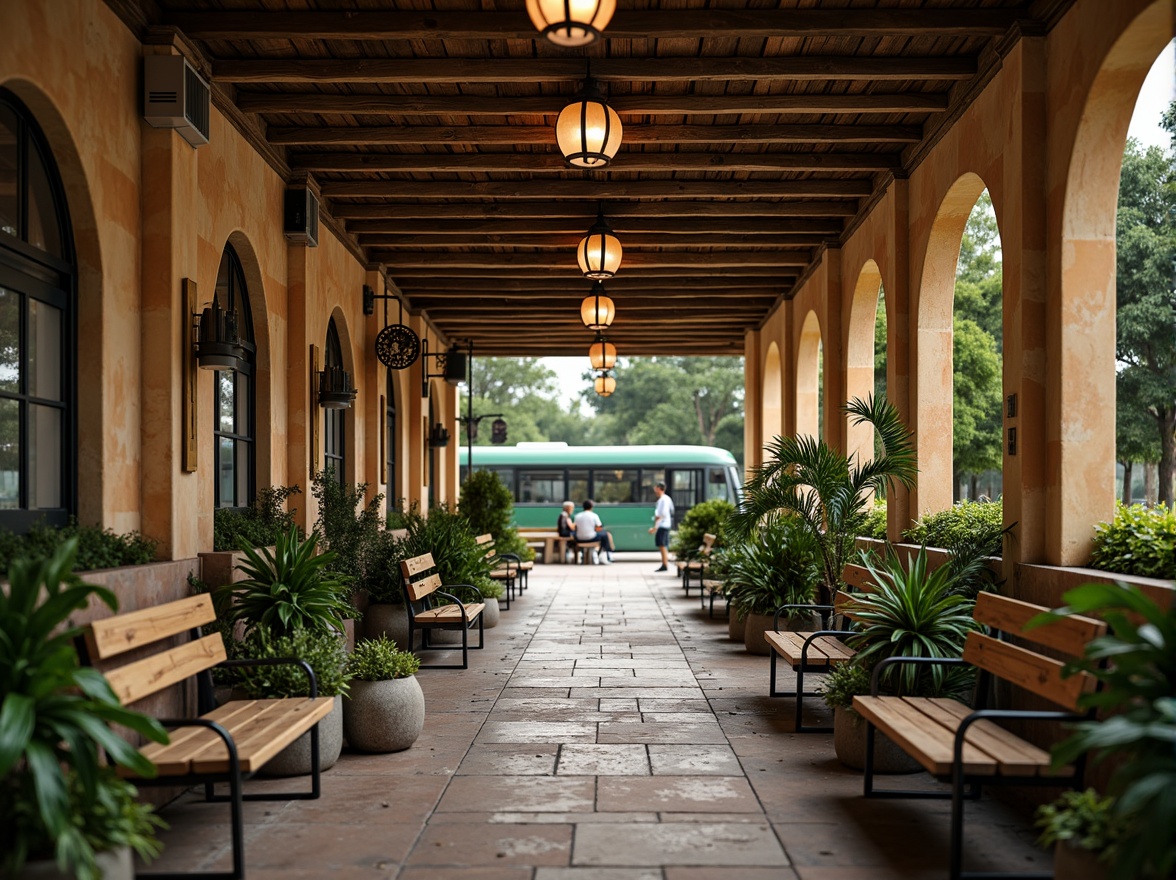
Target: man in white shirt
x=589 y=529
x=663 y=520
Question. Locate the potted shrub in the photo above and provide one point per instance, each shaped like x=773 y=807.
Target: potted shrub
x=1140 y=540
x=385 y=614
x=488 y=506
x=349 y=524
x=95 y=548
x=778 y=567
x=258 y=525
x=1083 y=830
x=385 y=706
x=57 y=801
x=705 y=518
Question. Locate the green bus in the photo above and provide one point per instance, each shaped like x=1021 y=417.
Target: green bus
x=619 y=479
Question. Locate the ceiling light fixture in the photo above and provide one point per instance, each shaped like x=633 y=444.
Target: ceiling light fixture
x=588 y=131
x=603 y=355
x=604 y=385
x=599 y=252
x=597 y=310
x=571 y=23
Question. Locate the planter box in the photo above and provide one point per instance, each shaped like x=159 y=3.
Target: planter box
x=1045 y=584
x=219 y=567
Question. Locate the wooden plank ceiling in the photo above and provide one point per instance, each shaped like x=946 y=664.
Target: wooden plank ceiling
x=754 y=134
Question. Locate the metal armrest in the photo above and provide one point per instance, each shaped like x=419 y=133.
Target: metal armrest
x=810 y=606
x=1021 y=714
x=821 y=634
x=276 y=661
x=876 y=678
x=465 y=619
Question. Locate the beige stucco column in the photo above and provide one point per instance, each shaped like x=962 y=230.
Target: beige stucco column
x=899 y=352
x=302 y=414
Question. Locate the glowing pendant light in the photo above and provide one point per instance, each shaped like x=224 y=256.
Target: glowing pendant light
x=588 y=131
x=605 y=384
x=597 y=310
x=603 y=355
x=599 y=252
x=571 y=23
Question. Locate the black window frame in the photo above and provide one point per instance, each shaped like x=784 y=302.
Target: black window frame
x=334 y=420
x=244 y=380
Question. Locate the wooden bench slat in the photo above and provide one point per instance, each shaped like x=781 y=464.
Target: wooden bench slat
x=115 y=635
x=417 y=590
x=1067 y=634
x=144 y=677
x=259 y=738
x=417 y=564
x=450 y=613
x=921 y=736
x=175 y=758
x=787 y=646
x=857 y=576
x=1027 y=669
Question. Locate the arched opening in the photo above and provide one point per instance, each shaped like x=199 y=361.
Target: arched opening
x=335 y=458
x=860 y=352
x=38 y=348
x=262 y=375
x=773 y=403
x=234 y=395
x=809 y=376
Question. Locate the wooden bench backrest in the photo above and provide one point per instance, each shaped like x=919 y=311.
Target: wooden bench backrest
x=485 y=541
x=113 y=636
x=708 y=544
x=418 y=589
x=1025 y=667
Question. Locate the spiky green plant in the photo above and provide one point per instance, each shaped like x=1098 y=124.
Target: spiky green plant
x=827 y=490
x=777 y=567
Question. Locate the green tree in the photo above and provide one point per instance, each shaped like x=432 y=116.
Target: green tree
x=526 y=393
x=1146 y=294
x=976 y=399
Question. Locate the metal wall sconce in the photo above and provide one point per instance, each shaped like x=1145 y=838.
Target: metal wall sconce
x=336 y=390
x=438 y=436
x=452 y=365
x=218 y=344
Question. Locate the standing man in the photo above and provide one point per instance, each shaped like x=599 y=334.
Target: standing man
x=663 y=519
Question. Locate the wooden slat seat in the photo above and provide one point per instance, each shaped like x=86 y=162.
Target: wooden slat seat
x=824 y=651
x=451 y=613
x=425 y=613
x=691 y=569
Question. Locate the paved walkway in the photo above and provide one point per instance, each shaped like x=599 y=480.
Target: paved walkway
x=609 y=731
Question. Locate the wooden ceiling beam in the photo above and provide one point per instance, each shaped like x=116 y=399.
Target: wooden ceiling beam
x=576 y=226
x=595 y=190
x=640 y=69
x=681 y=260
x=695 y=210
x=570 y=275
x=622 y=285
x=629 y=24
x=300 y=135
x=625 y=105
x=627 y=161
x=568 y=243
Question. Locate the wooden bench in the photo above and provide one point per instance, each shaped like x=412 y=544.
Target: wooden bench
x=425 y=614
x=507 y=568
x=965 y=745
x=229 y=743
x=688 y=567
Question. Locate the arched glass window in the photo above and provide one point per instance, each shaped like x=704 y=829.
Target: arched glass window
x=390 y=441
x=334 y=420
x=234 y=426
x=38 y=348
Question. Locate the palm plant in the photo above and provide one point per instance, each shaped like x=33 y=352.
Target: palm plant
x=826 y=490
x=289 y=589
x=777 y=567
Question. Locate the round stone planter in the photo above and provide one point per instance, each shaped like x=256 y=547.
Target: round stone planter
x=1074 y=863
x=753 y=634
x=387 y=619
x=492 y=614
x=448 y=636
x=384 y=716
x=114 y=864
x=294 y=760
x=849 y=742
x=735 y=625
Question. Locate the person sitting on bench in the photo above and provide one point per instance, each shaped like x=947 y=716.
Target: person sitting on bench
x=590 y=530
x=564 y=525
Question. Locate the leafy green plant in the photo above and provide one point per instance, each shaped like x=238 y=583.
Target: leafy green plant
x=324 y=651
x=381 y=580
x=706 y=518
x=454 y=545
x=349 y=524
x=259 y=525
x=290 y=588
x=56 y=716
x=96 y=547
x=911 y=612
x=487 y=504
x=1138 y=541
x=1135 y=663
x=1084 y=819
x=827 y=490
x=844 y=682
x=875 y=522
x=978 y=524
x=776 y=567
x=379 y=660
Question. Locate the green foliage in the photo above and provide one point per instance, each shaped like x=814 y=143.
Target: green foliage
x=977 y=395
x=350 y=526
x=967 y=523
x=96 y=548
x=1138 y=541
x=911 y=612
x=826 y=489
x=324 y=651
x=381 y=581
x=704 y=518
x=290 y=588
x=778 y=566
x=844 y=682
x=448 y=536
x=379 y=660
x=487 y=504
x=55 y=716
x=875 y=522
x=1084 y=819
x=258 y=525
x=1135 y=664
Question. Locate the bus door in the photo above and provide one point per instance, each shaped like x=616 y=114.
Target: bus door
x=685 y=487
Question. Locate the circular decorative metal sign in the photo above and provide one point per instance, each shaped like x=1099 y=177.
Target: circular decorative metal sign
x=397 y=347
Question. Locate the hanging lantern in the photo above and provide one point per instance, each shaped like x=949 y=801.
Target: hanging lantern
x=597 y=310
x=603 y=355
x=588 y=131
x=571 y=23
x=605 y=384
x=599 y=252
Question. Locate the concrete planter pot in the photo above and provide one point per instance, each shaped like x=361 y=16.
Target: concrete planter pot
x=735 y=625
x=1074 y=863
x=219 y=567
x=492 y=615
x=294 y=760
x=384 y=716
x=849 y=743
x=753 y=634
x=114 y=864
x=389 y=620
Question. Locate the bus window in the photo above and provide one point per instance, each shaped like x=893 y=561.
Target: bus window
x=615 y=486
x=685 y=489
x=716 y=485
x=577 y=486
x=507 y=477
x=736 y=484
x=648 y=478
x=541 y=487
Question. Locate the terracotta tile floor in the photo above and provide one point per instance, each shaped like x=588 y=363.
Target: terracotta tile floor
x=609 y=731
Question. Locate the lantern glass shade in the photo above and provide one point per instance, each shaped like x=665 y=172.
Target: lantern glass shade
x=597 y=311
x=588 y=131
x=603 y=355
x=605 y=385
x=571 y=23
x=599 y=254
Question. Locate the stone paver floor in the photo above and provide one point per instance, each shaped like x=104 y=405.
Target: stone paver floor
x=609 y=731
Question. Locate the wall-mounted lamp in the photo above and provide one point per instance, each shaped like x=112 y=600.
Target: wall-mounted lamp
x=452 y=365
x=438 y=436
x=336 y=390
x=218 y=344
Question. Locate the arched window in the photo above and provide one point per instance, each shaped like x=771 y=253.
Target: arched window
x=234 y=425
x=334 y=420
x=390 y=441
x=38 y=348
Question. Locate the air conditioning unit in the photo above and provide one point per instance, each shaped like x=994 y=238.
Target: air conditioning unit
x=175 y=96
x=301 y=222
